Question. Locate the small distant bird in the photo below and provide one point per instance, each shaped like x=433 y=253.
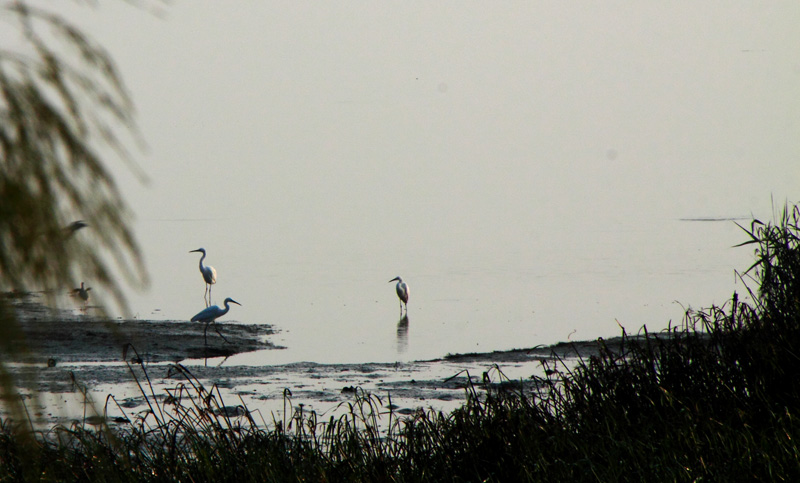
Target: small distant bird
x=83 y=293
x=75 y=226
x=402 y=293
x=211 y=314
x=209 y=275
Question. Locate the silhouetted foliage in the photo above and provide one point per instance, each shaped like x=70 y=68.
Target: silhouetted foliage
x=63 y=108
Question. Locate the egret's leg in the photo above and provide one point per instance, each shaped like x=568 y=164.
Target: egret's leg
x=220 y=333
x=205 y=331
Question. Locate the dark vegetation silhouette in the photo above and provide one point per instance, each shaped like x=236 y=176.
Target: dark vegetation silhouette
x=64 y=112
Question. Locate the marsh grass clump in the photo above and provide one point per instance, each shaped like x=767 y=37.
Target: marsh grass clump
x=715 y=398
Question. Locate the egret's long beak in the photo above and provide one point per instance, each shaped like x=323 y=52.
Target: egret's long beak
x=235 y=302
x=394 y=279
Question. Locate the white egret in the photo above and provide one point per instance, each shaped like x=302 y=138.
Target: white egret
x=83 y=293
x=211 y=314
x=402 y=293
x=209 y=275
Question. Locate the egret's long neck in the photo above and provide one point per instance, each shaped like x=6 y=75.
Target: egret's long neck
x=201 y=260
x=227 y=308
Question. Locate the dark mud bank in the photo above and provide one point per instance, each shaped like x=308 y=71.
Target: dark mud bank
x=62 y=336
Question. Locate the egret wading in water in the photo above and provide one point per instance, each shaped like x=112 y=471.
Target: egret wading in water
x=211 y=314
x=402 y=293
x=83 y=293
x=209 y=275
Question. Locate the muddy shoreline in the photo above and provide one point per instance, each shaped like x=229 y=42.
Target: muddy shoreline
x=174 y=341
x=64 y=336
x=58 y=335
x=152 y=341
x=69 y=351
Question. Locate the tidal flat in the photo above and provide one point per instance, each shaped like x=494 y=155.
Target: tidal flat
x=66 y=355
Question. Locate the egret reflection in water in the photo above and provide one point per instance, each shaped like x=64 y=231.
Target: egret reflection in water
x=402 y=335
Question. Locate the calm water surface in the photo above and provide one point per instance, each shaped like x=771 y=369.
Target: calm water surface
x=340 y=308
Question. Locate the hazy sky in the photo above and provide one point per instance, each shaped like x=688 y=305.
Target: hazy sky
x=446 y=138
x=436 y=103
x=458 y=117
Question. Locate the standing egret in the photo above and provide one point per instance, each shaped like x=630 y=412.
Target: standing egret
x=211 y=314
x=402 y=293
x=83 y=293
x=209 y=275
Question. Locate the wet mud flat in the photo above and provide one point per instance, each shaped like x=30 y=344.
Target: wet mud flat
x=71 y=355
x=89 y=340
x=58 y=336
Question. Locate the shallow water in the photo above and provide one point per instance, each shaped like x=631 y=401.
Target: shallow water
x=577 y=286
x=79 y=366
x=62 y=384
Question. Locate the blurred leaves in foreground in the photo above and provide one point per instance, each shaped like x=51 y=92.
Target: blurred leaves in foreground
x=63 y=112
